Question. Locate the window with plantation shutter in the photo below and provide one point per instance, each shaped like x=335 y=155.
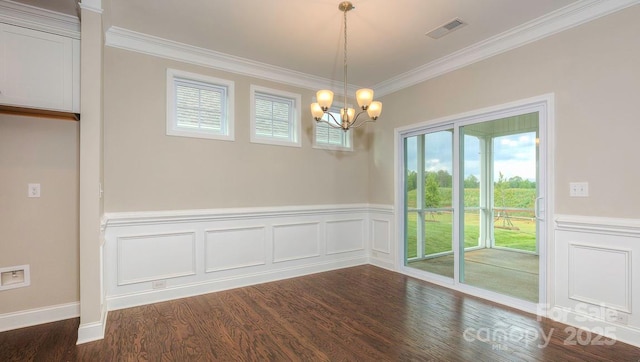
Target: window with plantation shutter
x=199 y=106
x=328 y=137
x=275 y=117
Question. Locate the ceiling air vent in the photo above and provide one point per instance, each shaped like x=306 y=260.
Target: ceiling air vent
x=446 y=28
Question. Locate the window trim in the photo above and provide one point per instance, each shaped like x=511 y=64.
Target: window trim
x=325 y=146
x=174 y=75
x=297 y=116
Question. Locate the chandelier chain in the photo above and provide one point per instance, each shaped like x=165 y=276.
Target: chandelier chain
x=345 y=62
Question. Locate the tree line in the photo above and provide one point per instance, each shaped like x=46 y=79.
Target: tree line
x=443 y=178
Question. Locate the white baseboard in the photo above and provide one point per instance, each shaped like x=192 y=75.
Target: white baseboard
x=383 y=263
x=94 y=331
x=32 y=317
x=591 y=327
x=216 y=285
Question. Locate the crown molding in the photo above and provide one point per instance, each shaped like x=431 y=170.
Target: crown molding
x=35 y=18
x=91 y=5
x=568 y=17
x=121 y=38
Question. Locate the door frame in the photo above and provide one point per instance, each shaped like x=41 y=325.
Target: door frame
x=544 y=104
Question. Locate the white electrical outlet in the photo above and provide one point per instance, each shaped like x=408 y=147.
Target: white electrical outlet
x=617 y=317
x=33 y=190
x=158 y=284
x=579 y=189
x=15 y=277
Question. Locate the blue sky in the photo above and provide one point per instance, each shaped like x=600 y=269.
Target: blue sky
x=514 y=155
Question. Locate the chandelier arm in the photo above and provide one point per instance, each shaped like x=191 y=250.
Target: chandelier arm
x=355 y=119
x=332 y=117
x=332 y=125
x=361 y=123
x=357 y=116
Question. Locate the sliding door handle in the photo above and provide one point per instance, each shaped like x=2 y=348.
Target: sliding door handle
x=536 y=206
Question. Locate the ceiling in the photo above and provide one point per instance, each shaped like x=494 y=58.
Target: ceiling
x=385 y=38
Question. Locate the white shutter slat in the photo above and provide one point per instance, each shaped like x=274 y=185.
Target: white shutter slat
x=274 y=117
x=200 y=106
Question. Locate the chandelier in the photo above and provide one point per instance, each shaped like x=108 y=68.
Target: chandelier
x=364 y=97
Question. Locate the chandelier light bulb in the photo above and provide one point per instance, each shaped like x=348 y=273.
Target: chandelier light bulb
x=374 y=110
x=364 y=97
x=324 y=98
x=316 y=111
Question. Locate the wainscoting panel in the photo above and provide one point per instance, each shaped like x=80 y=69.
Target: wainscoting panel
x=595 y=273
x=155 y=256
x=296 y=241
x=381 y=235
x=600 y=276
x=222 y=248
x=344 y=236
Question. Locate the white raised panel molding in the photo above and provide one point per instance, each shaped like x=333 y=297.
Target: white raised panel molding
x=596 y=271
x=296 y=241
x=600 y=276
x=383 y=246
x=39 y=69
x=202 y=251
x=344 y=236
x=381 y=235
x=234 y=248
x=150 y=257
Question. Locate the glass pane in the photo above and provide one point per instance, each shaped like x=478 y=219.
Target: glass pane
x=515 y=191
x=411 y=173
x=438 y=231
x=499 y=190
x=428 y=186
x=473 y=213
x=438 y=165
x=412 y=235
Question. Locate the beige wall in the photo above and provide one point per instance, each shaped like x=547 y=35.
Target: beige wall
x=147 y=170
x=41 y=232
x=594 y=71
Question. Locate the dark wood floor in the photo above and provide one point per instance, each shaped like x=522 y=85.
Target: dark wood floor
x=355 y=314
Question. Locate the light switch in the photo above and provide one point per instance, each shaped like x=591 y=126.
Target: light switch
x=579 y=189
x=33 y=190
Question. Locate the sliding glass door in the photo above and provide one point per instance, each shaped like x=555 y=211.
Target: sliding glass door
x=472 y=191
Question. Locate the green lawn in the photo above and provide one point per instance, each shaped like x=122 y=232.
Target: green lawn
x=438 y=226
